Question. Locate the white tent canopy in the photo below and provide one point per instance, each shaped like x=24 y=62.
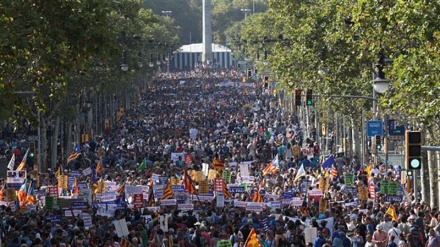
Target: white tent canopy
x=187 y=56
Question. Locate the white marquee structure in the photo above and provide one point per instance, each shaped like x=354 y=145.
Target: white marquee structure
x=189 y=55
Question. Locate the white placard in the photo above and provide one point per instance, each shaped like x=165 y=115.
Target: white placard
x=310 y=233
x=110 y=186
x=185 y=207
x=315 y=192
x=205 y=169
x=76 y=212
x=274 y=204
x=296 y=201
x=106 y=197
x=175 y=156
x=87 y=193
x=130 y=189
x=110 y=212
x=87 y=171
x=232 y=164
x=168 y=202
x=255 y=206
x=240 y=204
x=244 y=170
x=121 y=227
x=220 y=200
x=147 y=219
x=87 y=219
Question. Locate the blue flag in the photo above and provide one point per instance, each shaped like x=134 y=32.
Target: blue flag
x=328 y=162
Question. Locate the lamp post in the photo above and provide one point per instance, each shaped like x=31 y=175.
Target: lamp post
x=380 y=85
x=124 y=65
x=151 y=64
x=158 y=63
x=246 y=11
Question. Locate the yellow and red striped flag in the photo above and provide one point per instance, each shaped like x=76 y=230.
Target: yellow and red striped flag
x=188 y=183
x=252 y=240
x=256 y=197
x=334 y=172
x=168 y=191
x=226 y=193
x=392 y=212
x=98 y=167
x=218 y=164
x=125 y=243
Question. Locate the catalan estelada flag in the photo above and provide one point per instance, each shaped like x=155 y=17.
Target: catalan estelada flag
x=188 y=183
x=334 y=172
x=256 y=197
x=252 y=240
x=226 y=193
x=271 y=167
x=98 y=167
x=168 y=191
x=261 y=185
x=75 y=187
x=22 y=192
x=23 y=162
x=75 y=154
x=30 y=199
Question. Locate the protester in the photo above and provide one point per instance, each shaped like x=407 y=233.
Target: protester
x=190 y=129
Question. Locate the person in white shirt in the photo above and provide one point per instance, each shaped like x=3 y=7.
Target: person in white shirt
x=395 y=231
x=388 y=224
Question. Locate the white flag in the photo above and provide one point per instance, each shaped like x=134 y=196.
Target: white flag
x=301 y=172
x=12 y=163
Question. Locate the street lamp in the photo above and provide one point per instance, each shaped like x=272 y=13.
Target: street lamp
x=140 y=64
x=381 y=85
x=151 y=64
x=124 y=65
x=167 y=12
x=246 y=11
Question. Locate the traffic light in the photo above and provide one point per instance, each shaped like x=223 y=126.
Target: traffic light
x=409 y=173
x=309 y=97
x=413 y=150
x=256 y=72
x=297 y=97
x=266 y=82
x=31 y=149
x=378 y=142
x=249 y=73
x=31 y=155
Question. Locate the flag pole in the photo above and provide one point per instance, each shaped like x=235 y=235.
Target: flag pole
x=193 y=186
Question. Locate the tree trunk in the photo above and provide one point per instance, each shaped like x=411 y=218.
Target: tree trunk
x=437 y=155
x=424 y=182
x=43 y=127
x=433 y=174
x=356 y=139
x=69 y=146
x=54 y=143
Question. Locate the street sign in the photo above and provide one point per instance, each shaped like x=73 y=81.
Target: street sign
x=394 y=129
x=374 y=128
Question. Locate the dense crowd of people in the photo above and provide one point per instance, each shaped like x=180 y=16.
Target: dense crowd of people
x=264 y=148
